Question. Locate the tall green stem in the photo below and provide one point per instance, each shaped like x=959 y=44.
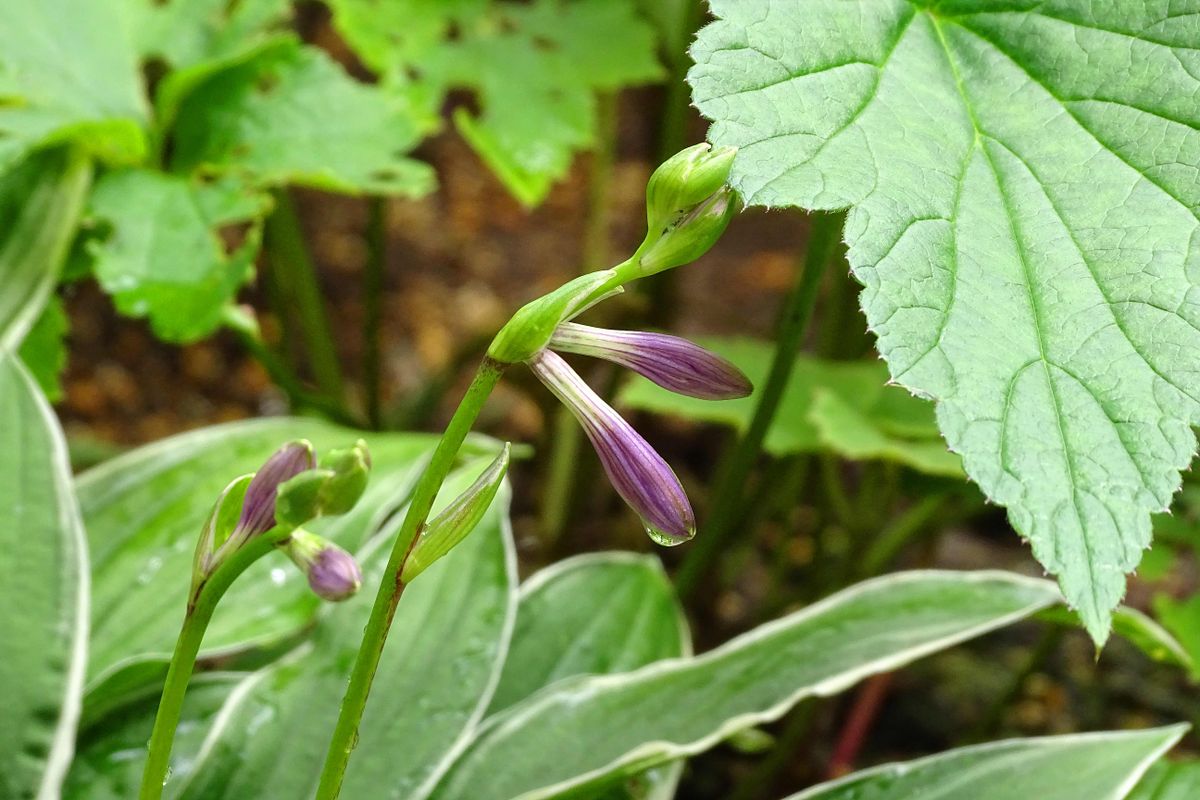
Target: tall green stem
x=296 y=277
x=731 y=482
x=345 y=733
x=183 y=661
x=561 y=471
x=373 y=309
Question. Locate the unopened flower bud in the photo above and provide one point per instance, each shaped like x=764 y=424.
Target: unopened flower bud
x=455 y=522
x=332 y=573
x=683 y=181
x=534 y=323
x=673 y=363
x=221 y=522
x=331 y=489
x=638 y=473
x=258 y=508
x=692 y=236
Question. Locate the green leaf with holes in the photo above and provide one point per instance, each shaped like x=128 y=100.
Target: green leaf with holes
x=69 y=72
x=291 y=114
x=1025 y=217
x=841 y=407
x=535 y=67
x=162 y=255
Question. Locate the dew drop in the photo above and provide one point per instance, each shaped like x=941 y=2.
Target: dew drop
x=666 y=539
x=278 y=576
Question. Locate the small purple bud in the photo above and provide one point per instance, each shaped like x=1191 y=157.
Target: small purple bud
x=335 y=574
x=258 y=509
x=673 y=363
x=332 y=573
x=638 y=473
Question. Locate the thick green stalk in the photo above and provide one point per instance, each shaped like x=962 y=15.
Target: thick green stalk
x=373 y=309
x=183 y=661
x=296 y=277
x=561 y=472
x=345 y=733
x=731 y=482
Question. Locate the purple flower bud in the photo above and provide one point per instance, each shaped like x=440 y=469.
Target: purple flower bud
x=335 y=574
x=332 y=573
x=258 y=508
x=673 y=363
x=638 y=473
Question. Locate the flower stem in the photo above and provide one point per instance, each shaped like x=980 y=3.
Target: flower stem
x=297 y=280
x=731 y=482
x=375 y=633
x=183 y=661
x=373 y=309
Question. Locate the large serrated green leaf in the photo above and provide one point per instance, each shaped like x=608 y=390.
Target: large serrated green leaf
x=144 y=512
x=593 y=730
x=68 y=72
x=436 y=677
x=163 y=256
x=40 y=203
x=43 y=593
x=1025 y=205
x=291 y=114
x=1096 y=766
x=839 y=406
x=109 y=758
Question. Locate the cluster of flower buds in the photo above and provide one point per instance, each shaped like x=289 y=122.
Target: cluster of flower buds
x=289 y=490
x=688 y=206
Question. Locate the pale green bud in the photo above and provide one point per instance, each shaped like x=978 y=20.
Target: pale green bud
x=332 y=573
x=333 y=488
x=685 y=180
x=692 y=236
x=531 y=327
x=445 y=531
x=221 y=522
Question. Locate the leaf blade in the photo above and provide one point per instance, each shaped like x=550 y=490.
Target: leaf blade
x=1026 y=260
x=669 y=710
x=1104 y=766
x=44 y=594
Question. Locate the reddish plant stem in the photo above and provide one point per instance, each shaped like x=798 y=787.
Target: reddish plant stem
x=858 y=724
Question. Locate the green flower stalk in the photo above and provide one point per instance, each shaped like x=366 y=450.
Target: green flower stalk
x=243 y=526
x=688 y=208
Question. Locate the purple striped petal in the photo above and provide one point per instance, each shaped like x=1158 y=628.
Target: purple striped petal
x=258 y=508
x=638 y=473
x=673 y=363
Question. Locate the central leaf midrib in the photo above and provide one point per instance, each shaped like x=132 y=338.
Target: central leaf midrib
x=1035 y=307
